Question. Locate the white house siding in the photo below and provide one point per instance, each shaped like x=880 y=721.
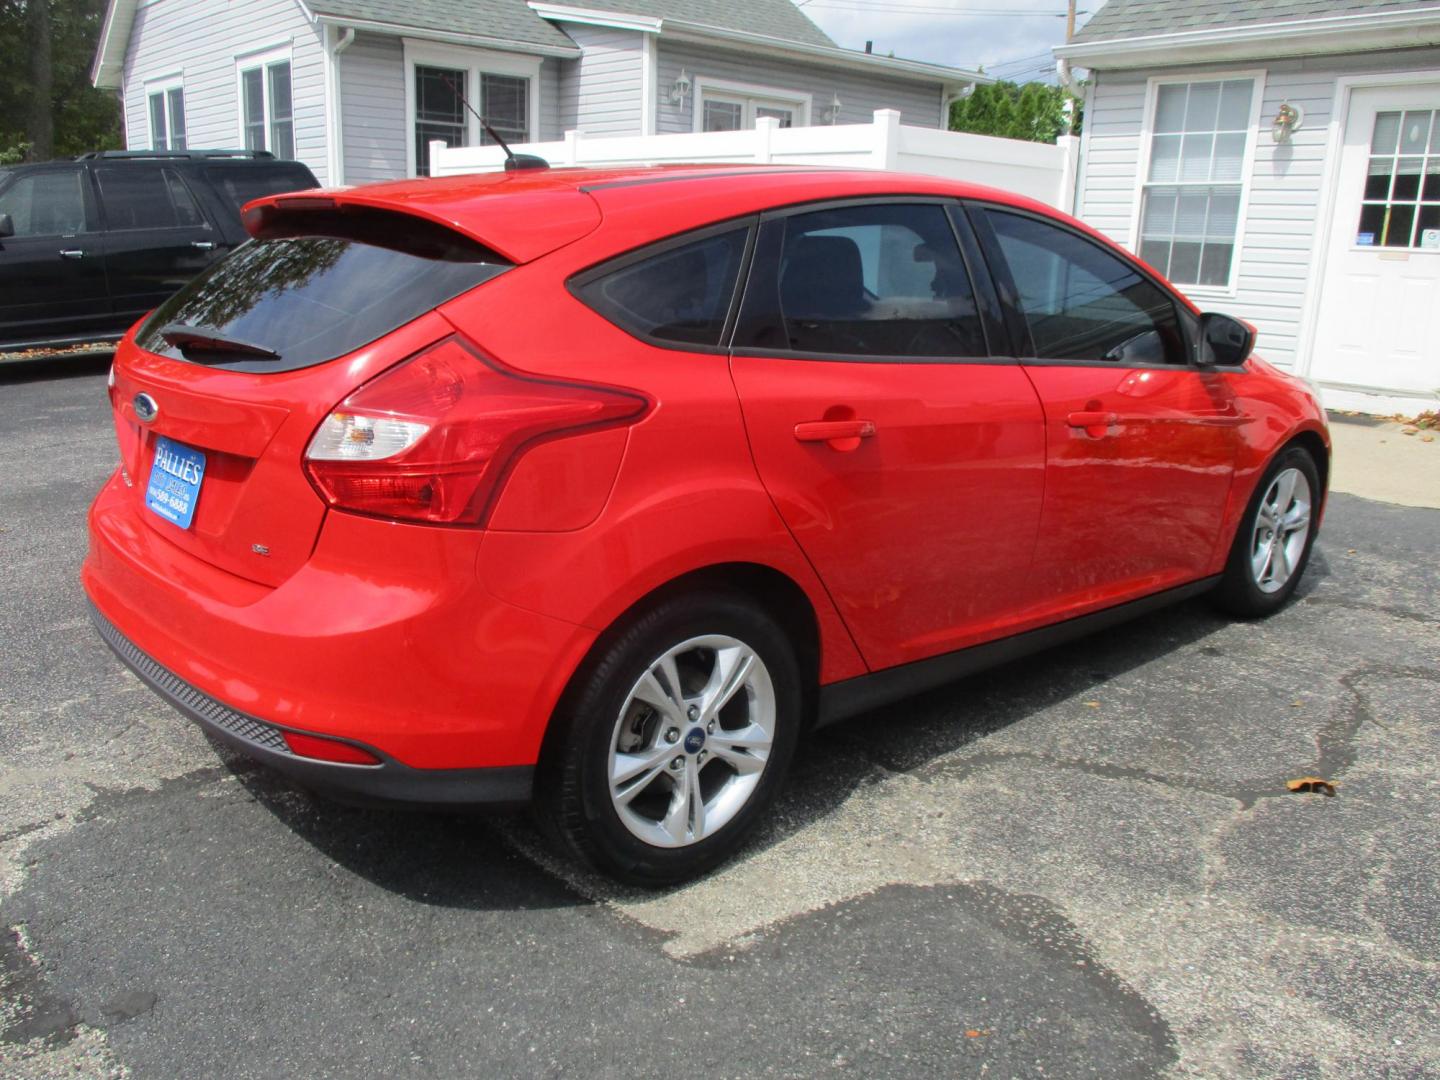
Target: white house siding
x=1279 y=225
x=373 y=126
x=600 y=92
x=199 y=40
x=860 y=92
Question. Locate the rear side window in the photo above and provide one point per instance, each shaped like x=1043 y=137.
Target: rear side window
x=675 y=295
x=138 y=197
x=1081 y=302
x=881 y=281
x=239 y=185
x=291 y=301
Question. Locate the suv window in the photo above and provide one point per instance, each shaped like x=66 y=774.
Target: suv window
x=1081 y=302
x=50 y=203
x=882 y=280
x=239 y=185
x=137 y=197
x=677 y=295
x=310 y=298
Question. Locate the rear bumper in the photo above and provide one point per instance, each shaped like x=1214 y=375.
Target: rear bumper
x=389 y=782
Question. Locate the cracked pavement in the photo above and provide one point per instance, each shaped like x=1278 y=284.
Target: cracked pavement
x=1083 y=864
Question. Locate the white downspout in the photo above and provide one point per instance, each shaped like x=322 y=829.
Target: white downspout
x=335 y=161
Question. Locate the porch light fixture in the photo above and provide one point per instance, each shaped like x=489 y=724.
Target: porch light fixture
x=1287 y=120
x=680 y=90
x=832 y=111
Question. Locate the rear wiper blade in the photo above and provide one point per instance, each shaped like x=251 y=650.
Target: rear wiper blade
x=185 y=338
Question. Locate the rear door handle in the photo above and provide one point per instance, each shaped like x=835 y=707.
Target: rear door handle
x=828 y=430
x=72 y=253
x=1089 y=420
x=202 y=245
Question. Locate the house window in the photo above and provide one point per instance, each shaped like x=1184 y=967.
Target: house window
x=1401 y=206
x=1190 y=210
x=266 y=118
x=167 y=118
x=732 y=107
x=451 y=89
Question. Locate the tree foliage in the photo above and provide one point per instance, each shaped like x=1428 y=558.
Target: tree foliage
x=1034 y=111
x=80 y=117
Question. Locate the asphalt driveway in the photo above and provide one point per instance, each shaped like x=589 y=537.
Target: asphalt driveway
x=1084 y=864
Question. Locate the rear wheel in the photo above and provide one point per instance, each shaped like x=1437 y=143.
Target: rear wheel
x=675 y=741
x=1272 y=546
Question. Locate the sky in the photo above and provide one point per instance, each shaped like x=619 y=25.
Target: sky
x=1010 y=38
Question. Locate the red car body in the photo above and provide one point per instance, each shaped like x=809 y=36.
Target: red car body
x=995 y=498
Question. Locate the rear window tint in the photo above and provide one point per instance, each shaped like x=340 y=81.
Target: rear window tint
x=308 y=299
x=675 y=296
x=240 y=185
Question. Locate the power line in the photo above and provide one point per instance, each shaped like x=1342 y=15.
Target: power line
x=885 y=9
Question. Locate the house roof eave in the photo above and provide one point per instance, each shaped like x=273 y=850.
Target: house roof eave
x=1329 y=35
x=451 y=38
x=109 y=63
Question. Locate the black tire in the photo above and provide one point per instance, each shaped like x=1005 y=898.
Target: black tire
x=1239 y=593
x=573 y=797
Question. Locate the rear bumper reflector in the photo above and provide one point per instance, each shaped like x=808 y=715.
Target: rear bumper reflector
x=371 y=778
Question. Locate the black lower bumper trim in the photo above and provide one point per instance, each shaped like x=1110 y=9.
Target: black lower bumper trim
x=389 y=782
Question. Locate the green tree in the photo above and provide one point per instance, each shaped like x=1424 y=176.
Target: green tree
x=47 y=106
x=1033 y=111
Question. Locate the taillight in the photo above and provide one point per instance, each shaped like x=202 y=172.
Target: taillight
x=432 y=438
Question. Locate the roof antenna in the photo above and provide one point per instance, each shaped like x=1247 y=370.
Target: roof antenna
x=513 y=161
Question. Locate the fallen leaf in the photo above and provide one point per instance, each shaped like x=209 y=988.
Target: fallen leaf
x=1427 y=438
x=1410 y=431
x=973 y=1034
x=1296 y=704
x=1313 y=785
x=1350 y=551
x=1092 y=704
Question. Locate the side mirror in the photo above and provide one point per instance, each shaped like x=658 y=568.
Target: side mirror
x=1224 y=341
x=7 y=227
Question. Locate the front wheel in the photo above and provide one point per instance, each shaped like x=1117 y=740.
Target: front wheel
x=675 y=741
x=1272 y=546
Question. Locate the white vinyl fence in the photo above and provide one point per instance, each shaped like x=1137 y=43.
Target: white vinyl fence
x=1040 y=170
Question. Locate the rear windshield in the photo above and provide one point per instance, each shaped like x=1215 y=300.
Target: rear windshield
x=290 y=302
x=241 y=184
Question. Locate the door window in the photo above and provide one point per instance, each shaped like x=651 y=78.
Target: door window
x=46 y=203
x=679 y=294
x=1401 y=205
x=136 y=197
x=725 y=111
x=881 y=281
x=1081 y=302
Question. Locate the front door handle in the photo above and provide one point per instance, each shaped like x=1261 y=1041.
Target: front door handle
x=202 y=245
x=1095 y=423
x=830 y=430
x=72 y=253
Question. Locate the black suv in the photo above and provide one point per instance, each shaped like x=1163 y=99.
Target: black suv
x=88 y=246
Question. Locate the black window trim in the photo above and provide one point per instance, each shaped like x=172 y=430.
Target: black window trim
x=977 y=274
x=750 y=222
x=977 y=210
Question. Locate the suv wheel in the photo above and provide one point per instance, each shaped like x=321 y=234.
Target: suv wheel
x=675 y=741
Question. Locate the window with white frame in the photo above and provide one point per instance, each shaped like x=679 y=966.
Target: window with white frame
x=446 y=84
x=267 y=120
x=731 y=107
x=1190 y=208
x=167 y=117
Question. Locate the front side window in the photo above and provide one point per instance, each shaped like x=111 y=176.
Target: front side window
x=48 y=203
x=1190 y=210
x=167 y=119
x=882 y=281
x=1401 y=205
x=265 y=106
x=1081 y=302
x=144 y=197
x=679 y=295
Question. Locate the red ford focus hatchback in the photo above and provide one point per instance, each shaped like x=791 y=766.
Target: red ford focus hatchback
x=597 y=489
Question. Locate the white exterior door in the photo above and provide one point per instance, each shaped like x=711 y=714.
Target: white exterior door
x=1378 y=320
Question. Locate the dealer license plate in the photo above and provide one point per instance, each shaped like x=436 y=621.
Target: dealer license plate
x=175 y=478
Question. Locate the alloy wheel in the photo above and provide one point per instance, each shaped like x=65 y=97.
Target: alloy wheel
x=1281 y=529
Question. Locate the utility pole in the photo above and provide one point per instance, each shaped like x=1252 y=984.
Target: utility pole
x=1070 y=20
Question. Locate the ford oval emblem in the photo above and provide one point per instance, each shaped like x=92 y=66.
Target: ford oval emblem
x=145 y=408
